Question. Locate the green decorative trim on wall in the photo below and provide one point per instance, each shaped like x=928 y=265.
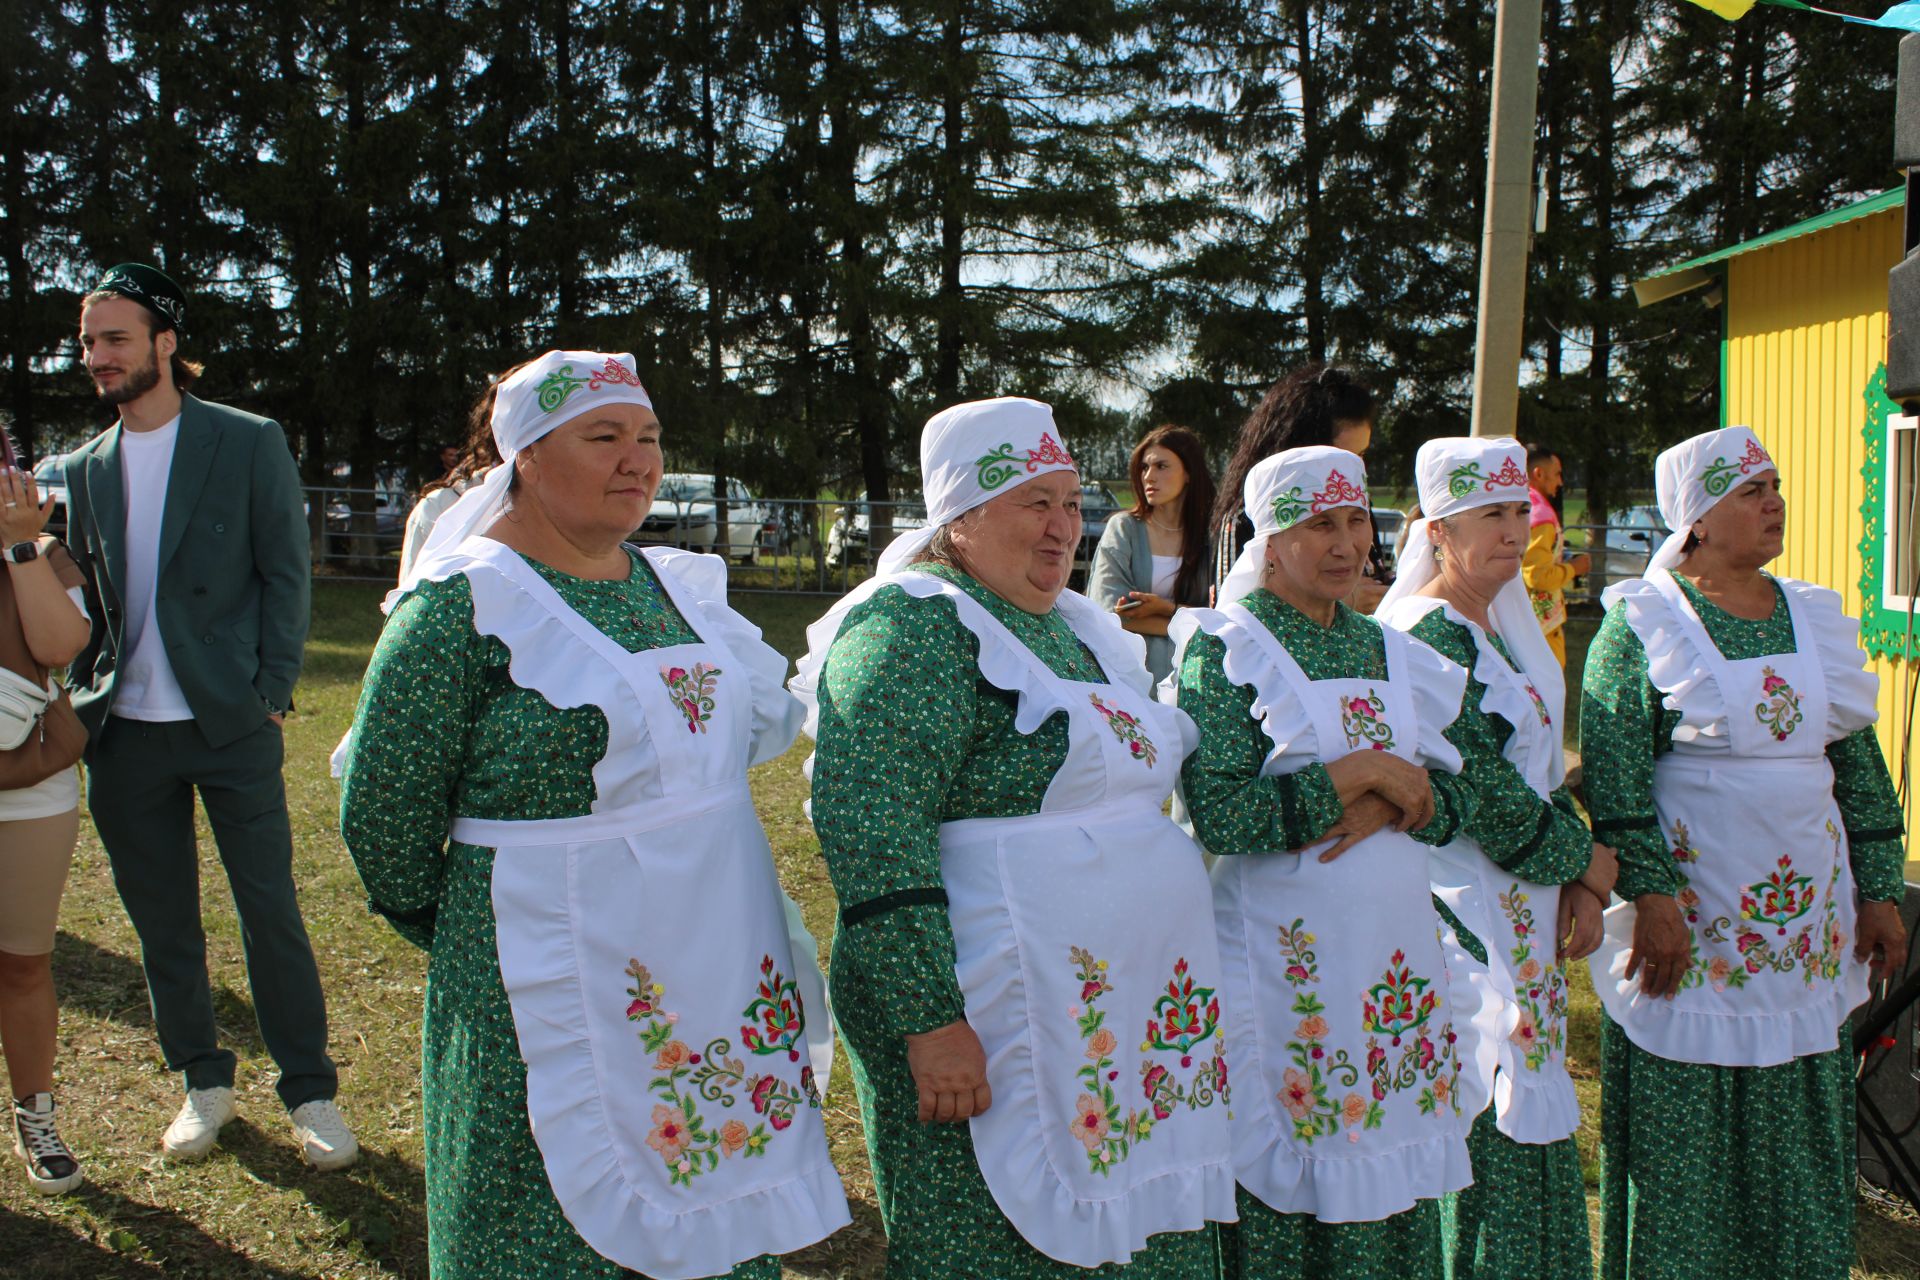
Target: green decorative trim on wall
x=1883 y=632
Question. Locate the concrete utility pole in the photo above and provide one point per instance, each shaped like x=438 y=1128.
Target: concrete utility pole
x=1504 y=240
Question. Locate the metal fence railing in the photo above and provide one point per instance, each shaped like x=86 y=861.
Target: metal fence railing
x=1619 y=552
x=813 y=546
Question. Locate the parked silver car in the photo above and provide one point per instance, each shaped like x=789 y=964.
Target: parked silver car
x=685 y=514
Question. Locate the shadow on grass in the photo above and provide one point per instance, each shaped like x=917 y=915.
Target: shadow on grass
x=380 y=1201
x=128 y=1238
x=106 y=984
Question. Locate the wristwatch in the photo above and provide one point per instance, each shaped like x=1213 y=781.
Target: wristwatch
x=22 y=552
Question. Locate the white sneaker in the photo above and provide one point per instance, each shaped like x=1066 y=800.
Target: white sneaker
x=324 y=1138
x=194 y=1131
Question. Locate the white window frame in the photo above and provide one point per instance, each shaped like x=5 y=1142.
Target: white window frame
x=1897 y=519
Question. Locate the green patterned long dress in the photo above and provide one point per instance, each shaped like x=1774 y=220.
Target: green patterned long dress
x=442 y=730
x=1705 y=1170
x=1525 y=1216
x=1237 y=810
x=910 y=736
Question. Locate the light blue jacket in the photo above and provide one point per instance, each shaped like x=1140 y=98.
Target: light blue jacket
x=1123 y=562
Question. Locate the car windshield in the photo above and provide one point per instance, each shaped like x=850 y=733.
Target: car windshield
x=686 y=489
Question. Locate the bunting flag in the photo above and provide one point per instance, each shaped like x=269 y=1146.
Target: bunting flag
x=1904 y=16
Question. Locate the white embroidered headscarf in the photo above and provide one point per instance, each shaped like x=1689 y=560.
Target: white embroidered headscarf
x=1457 y=474
x=973 y=453
x=539 y=396
x=1690 y=479
x=1283 y=490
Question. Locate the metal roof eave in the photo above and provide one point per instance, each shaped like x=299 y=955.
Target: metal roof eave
x=1693 y=274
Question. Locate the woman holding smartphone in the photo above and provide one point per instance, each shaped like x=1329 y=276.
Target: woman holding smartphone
x=1152 y=560
x=43 y=625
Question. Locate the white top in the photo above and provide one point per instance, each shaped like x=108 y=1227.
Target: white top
x=146 y=689
x=420 y=521
x=1166 y=571
x=53 y=796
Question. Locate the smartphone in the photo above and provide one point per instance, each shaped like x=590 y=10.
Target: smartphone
x=1125 y=605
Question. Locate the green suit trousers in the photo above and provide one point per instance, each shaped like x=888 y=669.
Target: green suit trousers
x=141 y=782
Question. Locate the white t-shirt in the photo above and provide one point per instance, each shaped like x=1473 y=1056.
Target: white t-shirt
x=52 y=796
x=145 y=688
x=1166 y=571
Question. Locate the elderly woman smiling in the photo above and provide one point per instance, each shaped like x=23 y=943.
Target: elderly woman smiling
x=1524 y=872
x=1014 y=906
x=619 y=1062
x=1726 y=731
x=1364 y=1045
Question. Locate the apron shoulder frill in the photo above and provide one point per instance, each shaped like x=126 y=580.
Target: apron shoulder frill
x=1003 y=662
x=1299 y=1001
x=1853 y=692
x=1675 y=665
x=1745 y=802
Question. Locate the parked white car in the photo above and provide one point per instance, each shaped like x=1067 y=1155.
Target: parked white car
x=685 y=515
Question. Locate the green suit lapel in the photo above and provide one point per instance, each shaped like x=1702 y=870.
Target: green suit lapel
x=192 y=460
x=107 y=503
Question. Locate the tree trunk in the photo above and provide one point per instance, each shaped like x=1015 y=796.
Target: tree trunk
x=1600 y=414
x=1313 y=244
x=950 y=302
x=713 y=266
x=362 y=339
x=870 y=416
x=20 y=286
x=566 y=326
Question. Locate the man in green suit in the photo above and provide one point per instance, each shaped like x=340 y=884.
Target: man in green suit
x=187 y=519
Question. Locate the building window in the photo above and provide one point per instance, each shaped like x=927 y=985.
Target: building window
x=1896 y=533
x=1890 y=564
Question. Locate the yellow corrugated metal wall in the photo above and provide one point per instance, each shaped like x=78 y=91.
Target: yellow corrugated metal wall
x=1806 y=328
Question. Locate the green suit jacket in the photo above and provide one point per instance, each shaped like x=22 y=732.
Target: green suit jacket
x=234 y=572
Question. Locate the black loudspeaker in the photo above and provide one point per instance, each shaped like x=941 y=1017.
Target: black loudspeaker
x=1906 y=105
x=1903 y=323
x=1889 y=1101
x=1903 y=282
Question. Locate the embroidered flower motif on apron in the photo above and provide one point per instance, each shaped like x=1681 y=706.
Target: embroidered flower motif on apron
x=670 y=1011
x=1745 y=800
x=1361 y=1031
x=1086 y=956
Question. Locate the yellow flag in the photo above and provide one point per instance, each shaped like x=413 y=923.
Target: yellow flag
x=1728 y=9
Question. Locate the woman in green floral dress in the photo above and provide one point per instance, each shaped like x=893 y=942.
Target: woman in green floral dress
x=1726 y=730
x=1525 y=871
x=1014 y=906
x=528 y=668
x=1364 y=1044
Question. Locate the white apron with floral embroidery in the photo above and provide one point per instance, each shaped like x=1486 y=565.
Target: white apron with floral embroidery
x=1533 y=1096
x=1085 y=952
x=1365 y=1032
x=1745 y=803
x=671 y=1015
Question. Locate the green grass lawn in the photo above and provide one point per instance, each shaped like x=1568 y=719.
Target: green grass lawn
x=253 y=1209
